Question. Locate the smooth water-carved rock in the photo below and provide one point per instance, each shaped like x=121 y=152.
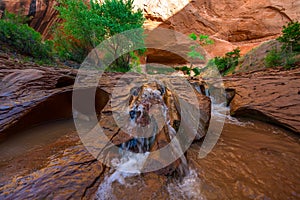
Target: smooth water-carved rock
x=77 y=174
x=70 y=173
x=145 y=118
x=271 y=95
x=32 y=94
x=22 y=92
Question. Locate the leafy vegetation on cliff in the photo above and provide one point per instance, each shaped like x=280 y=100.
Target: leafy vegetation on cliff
x=281 y=52
x=290 y=38
x=17 y=34
x=194 y=54
x=85 y=26
x=228 y=62
x=290 y=47
x=225 y=64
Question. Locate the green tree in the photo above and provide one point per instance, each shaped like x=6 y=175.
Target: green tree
x=290 y=38
x=227 y=62
x=194 y=55
x=86 y=25
x=290 y=47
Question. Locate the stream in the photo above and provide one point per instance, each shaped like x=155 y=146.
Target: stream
x=251 y=160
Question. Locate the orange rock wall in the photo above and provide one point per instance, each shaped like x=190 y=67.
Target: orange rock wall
x=232 y=23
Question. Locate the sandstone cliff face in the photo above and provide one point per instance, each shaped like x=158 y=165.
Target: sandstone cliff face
x=232 y=23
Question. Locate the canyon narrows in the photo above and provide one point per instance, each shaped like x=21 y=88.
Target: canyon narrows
x=60 y=162
x=149 y=99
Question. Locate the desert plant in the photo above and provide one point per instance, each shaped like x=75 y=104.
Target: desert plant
x=273 y=58
x=290 y=47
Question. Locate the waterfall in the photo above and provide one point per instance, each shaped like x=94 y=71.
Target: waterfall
x=134 y=153
x=220 y=110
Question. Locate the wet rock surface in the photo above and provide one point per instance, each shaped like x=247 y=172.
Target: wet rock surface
x=270 y=95
x=144 y=117
x=61 y=169
x=25 y=91
x=31 y=95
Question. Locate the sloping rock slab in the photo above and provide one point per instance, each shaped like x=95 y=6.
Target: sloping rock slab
x=34 y=95
x=271 y=95
x=73 y=175
x=22 y=90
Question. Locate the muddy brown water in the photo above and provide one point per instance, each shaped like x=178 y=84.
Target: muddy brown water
x=32 y=149
x=252 y=160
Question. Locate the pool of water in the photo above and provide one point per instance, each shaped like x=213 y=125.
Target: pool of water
x=251 y=160
x=31 y=149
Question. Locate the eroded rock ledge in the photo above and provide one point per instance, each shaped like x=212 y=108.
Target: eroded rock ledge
x=28 y=91
x=271 y=95
x=30 y=95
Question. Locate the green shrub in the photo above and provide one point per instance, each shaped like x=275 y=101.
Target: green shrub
x=276 y=58
x=67 y=48
x=135 y=64
x=289 y=59
x=15 y=18
x=193 y=54
x=273 y=58
x=85 y=26
x=228 y=62
x=290 y=38
x=159 y=69
x=290 y=47
x=23 y=38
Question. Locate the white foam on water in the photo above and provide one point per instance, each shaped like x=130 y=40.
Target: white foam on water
x=188 y=188
x=221 y=111
x=128 y=166
x=131 y=164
